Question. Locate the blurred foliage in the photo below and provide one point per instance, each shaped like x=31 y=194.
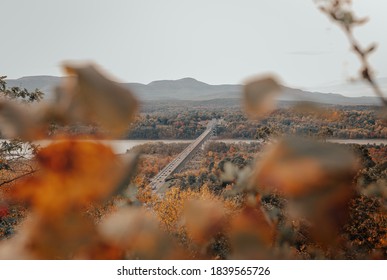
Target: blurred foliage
x=297 y=198
x=285 y=198
x=259 y=95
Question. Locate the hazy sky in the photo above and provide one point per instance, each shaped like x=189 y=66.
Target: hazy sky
x=215 y=41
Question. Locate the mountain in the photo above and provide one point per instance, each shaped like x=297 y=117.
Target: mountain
x=191 y=89
x=298 y=95
x=184 y=89
x=45 y=84
x=355 y=88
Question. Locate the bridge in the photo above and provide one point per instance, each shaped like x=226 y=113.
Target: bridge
x=159 y=181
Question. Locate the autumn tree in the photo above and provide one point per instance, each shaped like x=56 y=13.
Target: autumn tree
x=14 y=153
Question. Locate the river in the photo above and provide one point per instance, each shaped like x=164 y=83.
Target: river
x=359 y=141
x=121 y=146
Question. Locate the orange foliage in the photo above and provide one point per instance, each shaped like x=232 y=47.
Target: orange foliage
x=251 y=234
x=72 y=174
x=170 y=210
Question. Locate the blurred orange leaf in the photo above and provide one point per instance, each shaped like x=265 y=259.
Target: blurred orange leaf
x=316 y=177
x=204 y=219
x=73 y=174
x=17 y=122
x=94 y=98
x=296 y=166
x=260 y=94
x=251 y=234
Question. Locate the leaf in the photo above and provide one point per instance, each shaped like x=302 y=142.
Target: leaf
x=361 y=21
x=73 y=174
x=127 y=225
x=137 y=232
x=259 y=95
x=296 y=166
x=251 y=235
x=315 y=177
x=346 y=17
x=95 y=98
x=204 y=219
x=17 y=122
x=4 y=211
x=382 y=115
x=310 y=108
x=230 y=172
x=129 y=164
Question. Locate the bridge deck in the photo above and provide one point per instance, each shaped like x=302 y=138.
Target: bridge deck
x=176 y=164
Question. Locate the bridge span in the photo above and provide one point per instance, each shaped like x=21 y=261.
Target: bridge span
x=159 y=181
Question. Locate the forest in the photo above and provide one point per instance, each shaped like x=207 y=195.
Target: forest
x=337 y=122
x=217 y=170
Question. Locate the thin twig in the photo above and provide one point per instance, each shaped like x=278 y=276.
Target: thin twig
x=366 y=72
x=345 y=19
x=17 y=178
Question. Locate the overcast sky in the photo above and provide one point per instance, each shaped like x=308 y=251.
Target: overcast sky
x=215 y=41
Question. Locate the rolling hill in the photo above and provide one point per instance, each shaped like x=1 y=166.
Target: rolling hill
x=191 y=89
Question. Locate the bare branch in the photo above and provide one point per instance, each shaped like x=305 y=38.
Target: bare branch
x=338 y=11
x=17 y=178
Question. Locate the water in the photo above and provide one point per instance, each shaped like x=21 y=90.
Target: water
x=121 y=146
x=359 y=141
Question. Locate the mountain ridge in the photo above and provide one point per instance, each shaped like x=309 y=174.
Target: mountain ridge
x=191 y=89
